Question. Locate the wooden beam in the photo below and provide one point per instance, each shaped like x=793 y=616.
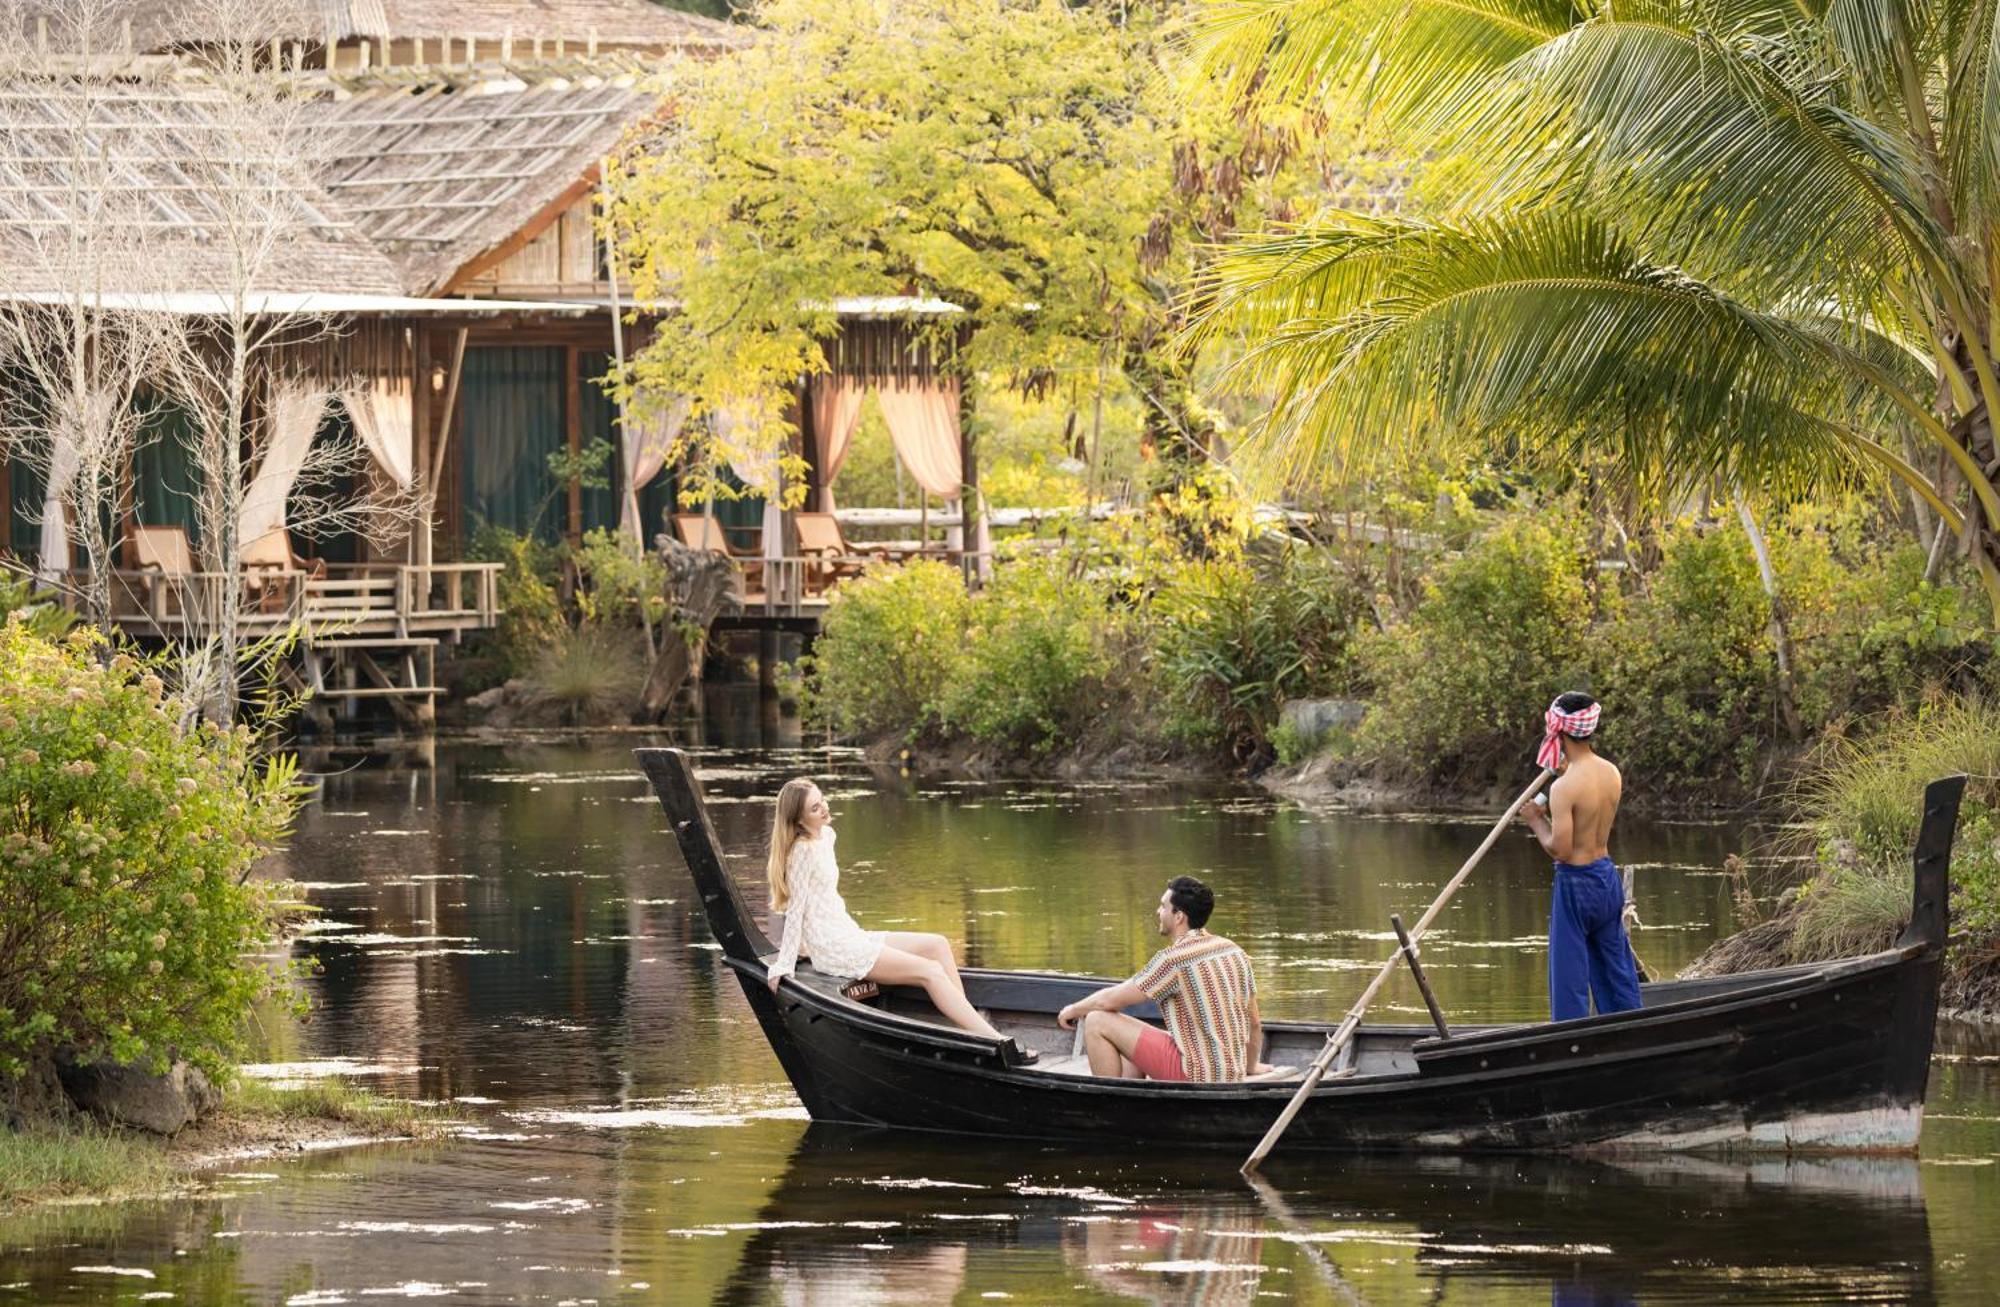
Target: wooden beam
x=419 y=550
x=524 y=235
x=573 y=428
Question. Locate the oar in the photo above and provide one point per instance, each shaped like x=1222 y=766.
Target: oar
x=1352 y=1021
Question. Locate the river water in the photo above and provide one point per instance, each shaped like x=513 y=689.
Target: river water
x=511 y=932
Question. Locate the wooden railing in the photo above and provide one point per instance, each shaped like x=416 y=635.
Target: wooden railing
x=374 y=598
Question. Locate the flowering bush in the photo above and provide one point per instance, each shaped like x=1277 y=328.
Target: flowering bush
x=126 y=914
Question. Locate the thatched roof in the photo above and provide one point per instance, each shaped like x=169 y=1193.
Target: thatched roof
x=148 y=203
x=632 y=24
x=439 y=175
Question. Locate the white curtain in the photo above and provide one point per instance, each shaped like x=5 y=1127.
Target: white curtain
x=647 y=435
x=923 y=423
x=384 y=419
x=759 y=470
x=64 y=460
x=836 y=412
x=296 y=409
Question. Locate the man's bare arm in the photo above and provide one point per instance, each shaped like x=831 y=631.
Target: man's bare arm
x=1112 y=998
x=1556 y=828
x=1253 y=1047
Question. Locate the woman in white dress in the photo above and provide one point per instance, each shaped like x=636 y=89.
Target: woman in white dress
x=805 y=886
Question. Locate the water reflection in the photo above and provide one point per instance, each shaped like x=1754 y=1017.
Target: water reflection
x=1367 y=1230
x=510 y=930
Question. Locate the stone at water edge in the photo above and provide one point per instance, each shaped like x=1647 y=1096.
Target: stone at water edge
x=1314 y=718
x=131 y=1095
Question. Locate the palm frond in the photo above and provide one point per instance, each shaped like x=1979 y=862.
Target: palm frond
x=1972 y=112
x=1298 y=51
x=1544 y=330
x=1750 y=172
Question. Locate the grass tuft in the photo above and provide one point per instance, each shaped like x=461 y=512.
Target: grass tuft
x=44 y=1162
x=589 y=675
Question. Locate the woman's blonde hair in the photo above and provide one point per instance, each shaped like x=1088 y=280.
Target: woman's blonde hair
x=785 y=830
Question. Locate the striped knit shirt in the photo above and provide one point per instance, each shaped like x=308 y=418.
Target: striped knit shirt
x=1205 y=989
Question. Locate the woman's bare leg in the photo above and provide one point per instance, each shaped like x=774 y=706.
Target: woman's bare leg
x=926 y=945
x=897 y=967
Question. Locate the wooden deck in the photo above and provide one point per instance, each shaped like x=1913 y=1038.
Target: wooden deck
x=364 y=631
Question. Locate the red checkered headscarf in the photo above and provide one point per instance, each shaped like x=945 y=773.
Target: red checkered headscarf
x=1558 y=724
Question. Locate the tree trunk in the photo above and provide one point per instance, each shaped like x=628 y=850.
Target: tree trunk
x=1781 y=638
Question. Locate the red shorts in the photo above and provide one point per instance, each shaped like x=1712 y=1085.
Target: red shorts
x=1157 y=1058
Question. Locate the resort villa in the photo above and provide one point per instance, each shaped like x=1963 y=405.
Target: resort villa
x=450 y=308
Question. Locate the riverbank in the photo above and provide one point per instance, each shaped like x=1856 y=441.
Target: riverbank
x=76 y=1159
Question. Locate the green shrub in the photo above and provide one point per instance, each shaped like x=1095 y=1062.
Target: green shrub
x=1862 y=801
x=1688 y=669
x=1502 y=629
x=40 y=613
x=125 y=844
x=531 y=613
x=1041 y=646
x=887 y=647
x=615 y=588
x=1234 y=638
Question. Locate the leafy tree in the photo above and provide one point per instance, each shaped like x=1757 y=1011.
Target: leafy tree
x=1024 y=159
x=1753 y=241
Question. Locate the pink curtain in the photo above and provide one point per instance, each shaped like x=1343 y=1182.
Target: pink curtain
x=647 y=436
x=923 y=423
x=836 y=412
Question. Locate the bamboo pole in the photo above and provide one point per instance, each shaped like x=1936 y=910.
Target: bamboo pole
x=1344 y=1034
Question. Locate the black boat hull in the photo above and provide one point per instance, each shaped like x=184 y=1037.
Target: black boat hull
x=1817 y=1059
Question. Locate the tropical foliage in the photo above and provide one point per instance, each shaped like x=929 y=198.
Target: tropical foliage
x=128 y=918
x=1747 y=243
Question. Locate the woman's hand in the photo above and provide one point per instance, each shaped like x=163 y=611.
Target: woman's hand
x=1067 y=1017
x=774 y=980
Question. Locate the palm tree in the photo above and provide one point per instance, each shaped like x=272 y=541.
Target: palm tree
x=1754 y=242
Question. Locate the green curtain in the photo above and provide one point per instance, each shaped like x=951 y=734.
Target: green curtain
x=601 y=508
x=331 y=546
x=512 y=422
x=25 y=487
x=599 y=421
x=164 y=480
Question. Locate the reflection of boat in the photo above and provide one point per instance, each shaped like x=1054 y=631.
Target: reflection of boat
x=1828 y=1057
x=1157 y=1228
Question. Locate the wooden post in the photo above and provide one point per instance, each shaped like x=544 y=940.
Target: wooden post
x=419 y=551
x=507 y=46
x=573 y=429
x=443 y=443
x=1417 y=971
x=971 y=563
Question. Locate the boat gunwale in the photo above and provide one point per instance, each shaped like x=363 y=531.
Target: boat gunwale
x=1507 y=1038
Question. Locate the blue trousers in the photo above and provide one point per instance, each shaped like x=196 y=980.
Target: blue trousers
x=1588 y=955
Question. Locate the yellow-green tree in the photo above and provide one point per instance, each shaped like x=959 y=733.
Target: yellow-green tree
x=1024 y=159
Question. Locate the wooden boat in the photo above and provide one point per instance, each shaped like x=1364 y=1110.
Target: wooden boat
x=1830 y=1057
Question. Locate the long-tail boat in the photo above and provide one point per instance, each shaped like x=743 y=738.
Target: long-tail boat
x=1829 y=1057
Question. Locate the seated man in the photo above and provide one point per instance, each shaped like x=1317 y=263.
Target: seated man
x=1206 y=992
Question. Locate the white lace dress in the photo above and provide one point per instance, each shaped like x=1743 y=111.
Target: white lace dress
x=816 y=920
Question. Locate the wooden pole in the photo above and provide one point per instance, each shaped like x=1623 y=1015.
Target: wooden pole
x=1417 y=971
x=1352 y=1021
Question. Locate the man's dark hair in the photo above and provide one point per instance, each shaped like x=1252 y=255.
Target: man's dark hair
x=1190 y=896
x=1574 y=701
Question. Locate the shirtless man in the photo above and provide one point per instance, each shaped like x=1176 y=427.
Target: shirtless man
x=1588 y=954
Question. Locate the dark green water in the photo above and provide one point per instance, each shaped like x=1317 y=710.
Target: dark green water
x=512 y=931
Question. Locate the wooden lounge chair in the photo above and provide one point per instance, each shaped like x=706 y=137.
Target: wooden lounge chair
x=826 y=551
x=701 y=532
x=271 y=570
x=166 y=565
